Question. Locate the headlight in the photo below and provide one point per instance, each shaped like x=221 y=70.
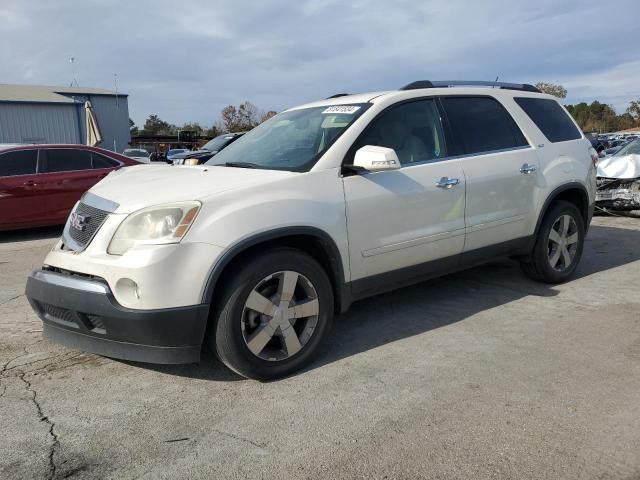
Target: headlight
x=154 y=226
x=191 y=161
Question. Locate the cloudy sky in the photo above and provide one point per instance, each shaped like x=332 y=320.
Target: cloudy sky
x=186 y=60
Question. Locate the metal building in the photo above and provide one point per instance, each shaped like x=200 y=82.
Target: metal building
x=40 y=114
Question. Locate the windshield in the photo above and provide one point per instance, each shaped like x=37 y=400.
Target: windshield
x=176 y=151
x=218 y=143
x=292 y=140
x=629 y=149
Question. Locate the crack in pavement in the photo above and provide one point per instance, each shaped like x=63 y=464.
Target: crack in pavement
x=60 y=357
x=231 y=435
x=43 y=418
x=11 y=299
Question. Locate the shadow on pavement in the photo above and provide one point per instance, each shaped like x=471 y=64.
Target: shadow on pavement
x=41 y=233
x=437 y=303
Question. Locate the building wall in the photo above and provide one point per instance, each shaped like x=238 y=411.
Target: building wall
x=112 y=114
x=22 y=122
x=38 y=123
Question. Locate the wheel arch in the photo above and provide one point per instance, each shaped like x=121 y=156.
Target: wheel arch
x=572 y=192
x=311 y=240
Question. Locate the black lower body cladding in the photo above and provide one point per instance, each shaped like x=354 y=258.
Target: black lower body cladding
x=82 y=313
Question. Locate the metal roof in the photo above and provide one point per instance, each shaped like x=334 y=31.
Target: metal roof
x=48 y=94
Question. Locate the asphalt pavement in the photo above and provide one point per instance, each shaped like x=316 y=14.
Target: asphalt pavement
x=482 y=374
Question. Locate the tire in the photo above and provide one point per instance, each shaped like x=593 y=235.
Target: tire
x=251 y=313
x=557 y=252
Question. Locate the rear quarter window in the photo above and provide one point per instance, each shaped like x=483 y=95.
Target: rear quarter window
x=20 y=162
x=100 y=161
x=552 y=120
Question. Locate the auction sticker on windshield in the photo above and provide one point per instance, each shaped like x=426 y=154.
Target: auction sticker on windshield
x=346 y=109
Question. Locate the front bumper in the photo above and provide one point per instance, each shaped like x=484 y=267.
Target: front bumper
x=81 y=312
x=618 y=194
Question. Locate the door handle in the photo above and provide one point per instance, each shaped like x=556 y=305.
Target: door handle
x=30 y=183
x=528 y=168
x=446 y=182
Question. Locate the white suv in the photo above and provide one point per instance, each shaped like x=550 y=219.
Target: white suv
x=252 y=253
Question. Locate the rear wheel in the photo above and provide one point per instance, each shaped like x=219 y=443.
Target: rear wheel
x=559 y=244
x=273 y=315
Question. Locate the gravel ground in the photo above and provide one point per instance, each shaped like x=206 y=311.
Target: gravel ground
x=481 y=374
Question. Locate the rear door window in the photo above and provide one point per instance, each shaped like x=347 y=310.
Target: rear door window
x=552 y=120
x=19 y=162
x=482 y=124
x=67 y=159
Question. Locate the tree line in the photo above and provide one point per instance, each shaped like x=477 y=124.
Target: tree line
x=233 y=119
x=596 y=116
x=593 y=117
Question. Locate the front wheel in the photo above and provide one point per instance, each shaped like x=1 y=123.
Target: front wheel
x=559 y=245
x=273 y=314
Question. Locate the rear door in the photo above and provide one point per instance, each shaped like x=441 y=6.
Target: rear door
x=500 y=167
x=20 y=203
x=68 y=173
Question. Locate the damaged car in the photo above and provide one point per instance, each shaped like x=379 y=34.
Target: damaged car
x=618 y=179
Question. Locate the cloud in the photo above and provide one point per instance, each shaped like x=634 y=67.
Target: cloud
x=186 y=61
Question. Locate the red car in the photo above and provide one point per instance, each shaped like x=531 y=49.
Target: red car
x=40 y=184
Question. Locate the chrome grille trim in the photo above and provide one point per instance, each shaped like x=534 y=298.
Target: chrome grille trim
x=88 y=208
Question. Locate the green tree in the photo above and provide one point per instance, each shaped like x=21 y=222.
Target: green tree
x=192 y=126
x=213 y=131
x=552 y=89
x=133 y=129
x=155 y=126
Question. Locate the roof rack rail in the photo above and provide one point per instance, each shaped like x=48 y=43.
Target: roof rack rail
x=337 y=95
x=471 y=83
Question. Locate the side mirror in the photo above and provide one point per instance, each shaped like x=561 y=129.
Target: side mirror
x=376 y=159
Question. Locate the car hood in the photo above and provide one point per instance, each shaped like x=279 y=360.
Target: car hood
x=620 y=166
x=133 y=188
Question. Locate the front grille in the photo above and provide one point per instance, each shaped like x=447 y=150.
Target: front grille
x=59 y=314
x=96 y=323
x=72 y=319
x=85 y=222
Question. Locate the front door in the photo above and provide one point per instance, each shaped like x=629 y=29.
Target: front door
x=405 y=222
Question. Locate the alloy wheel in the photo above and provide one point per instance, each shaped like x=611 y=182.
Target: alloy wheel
x=563 y=243
x=280 y=315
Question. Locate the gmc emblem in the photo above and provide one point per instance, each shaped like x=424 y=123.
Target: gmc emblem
x=79 y=222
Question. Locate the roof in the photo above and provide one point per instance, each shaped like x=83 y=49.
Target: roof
x=393 y=95
x=48 y=94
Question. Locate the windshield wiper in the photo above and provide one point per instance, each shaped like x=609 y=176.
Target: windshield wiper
x=242 y=165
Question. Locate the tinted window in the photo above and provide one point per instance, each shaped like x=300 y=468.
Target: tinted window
x=412 y=129
x=21 y=162
x=66 y=159
x=481 y=124
x=100 y=161
x=550 y=118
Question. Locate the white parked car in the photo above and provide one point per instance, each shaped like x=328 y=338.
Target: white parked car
x=252 y=253
x=138 y=154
